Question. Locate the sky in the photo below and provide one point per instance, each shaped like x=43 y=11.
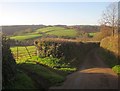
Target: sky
x=51 y=13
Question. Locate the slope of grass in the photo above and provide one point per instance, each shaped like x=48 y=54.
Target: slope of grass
x=108 y=57
x=111 y=43
x=44 y=72
x=55 y=63
x=26 y=36
x=58 y=31
x=91 y=34
x=54 y=31
x=23 y=81
x=30 y=74
x=67 y=32
x=41 y=67
x=49 y=29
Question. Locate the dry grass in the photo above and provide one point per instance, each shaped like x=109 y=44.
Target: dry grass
x=111 y=43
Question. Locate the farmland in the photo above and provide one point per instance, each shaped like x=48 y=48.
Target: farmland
x=48 y=31
x=25 y=36
x=92 y=34
x=58 y=31
x=22 y=53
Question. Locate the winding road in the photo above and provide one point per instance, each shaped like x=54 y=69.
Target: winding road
x=93 y=74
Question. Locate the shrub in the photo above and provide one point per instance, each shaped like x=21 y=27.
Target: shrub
x=71 y=51
x=116 y=69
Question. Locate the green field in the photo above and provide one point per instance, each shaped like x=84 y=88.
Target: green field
x=22 y=53
x=57 y=31
x=49 y=29
x=26 y=36
x=92 y=34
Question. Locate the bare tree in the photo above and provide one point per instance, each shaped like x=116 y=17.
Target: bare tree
x=110 y=17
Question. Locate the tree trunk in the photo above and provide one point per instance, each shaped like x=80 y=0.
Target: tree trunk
x=113 y=31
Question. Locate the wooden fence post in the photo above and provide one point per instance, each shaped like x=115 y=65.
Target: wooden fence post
x=37 y=48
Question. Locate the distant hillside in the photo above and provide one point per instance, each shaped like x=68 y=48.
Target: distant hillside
x=57 y=31
x=86 y=28
x=10 y=30
x=49 y=32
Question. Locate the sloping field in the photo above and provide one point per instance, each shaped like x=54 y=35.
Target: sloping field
x=26 y=36
x=58 y=31
x=48 y=31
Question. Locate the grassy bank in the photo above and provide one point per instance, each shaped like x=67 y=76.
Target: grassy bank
x=110 y=59
x=26 y=36
x=38 y=71
x=110 y=54
x=51 y=69
x=58 y=31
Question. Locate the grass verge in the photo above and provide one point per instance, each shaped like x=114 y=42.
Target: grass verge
x=110 y=59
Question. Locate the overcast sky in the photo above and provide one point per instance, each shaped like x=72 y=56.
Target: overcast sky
x=51 y=13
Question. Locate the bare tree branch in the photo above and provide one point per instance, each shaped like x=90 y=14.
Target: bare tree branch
x=110 y=16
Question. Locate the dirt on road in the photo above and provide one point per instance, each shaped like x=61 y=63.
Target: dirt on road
x=93 y=74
